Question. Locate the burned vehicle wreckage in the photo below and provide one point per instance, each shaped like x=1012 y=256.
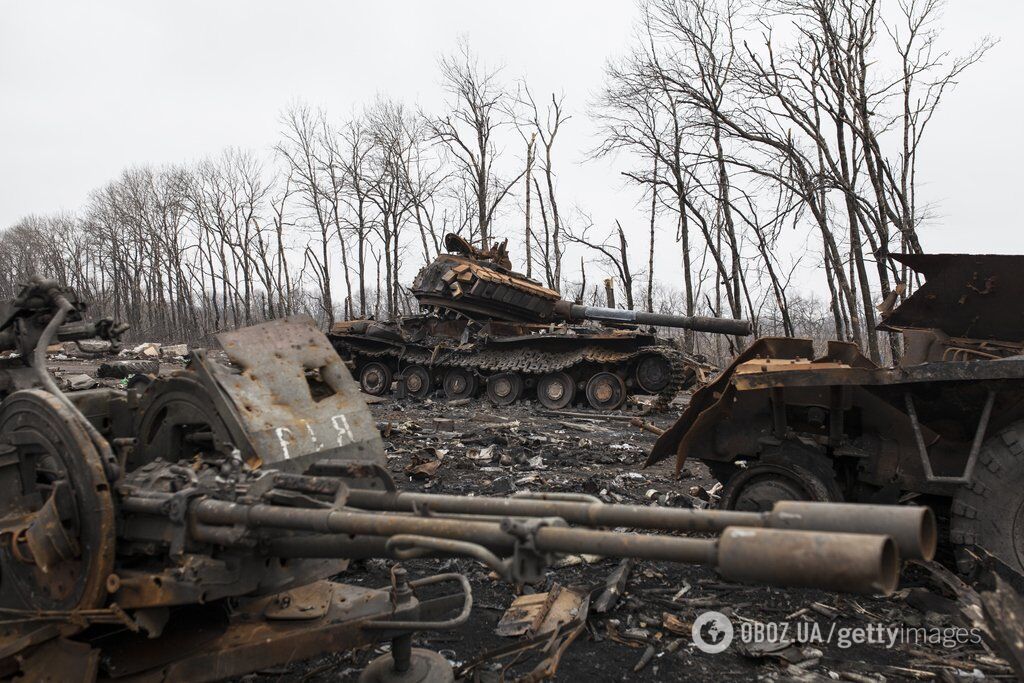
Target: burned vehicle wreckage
x=194 y=527
x=486 y=325
x=944 y=427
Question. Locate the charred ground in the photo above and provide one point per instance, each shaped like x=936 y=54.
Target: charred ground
x=478 y=449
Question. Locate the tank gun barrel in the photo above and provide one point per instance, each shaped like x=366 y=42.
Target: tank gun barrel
x=577 y=312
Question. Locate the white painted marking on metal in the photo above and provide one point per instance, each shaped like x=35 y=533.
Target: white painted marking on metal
x=343 y=429
x=281 y=431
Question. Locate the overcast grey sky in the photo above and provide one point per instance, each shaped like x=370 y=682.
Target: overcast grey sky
x=89 y=88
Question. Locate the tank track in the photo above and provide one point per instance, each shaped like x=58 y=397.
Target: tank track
x=530 y=361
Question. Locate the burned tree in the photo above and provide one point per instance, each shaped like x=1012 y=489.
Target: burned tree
x=475 y=114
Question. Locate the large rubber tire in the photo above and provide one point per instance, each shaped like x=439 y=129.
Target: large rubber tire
x=760 y=486
x=987 y=515
x=171 y=412
x=787 y=472
x=120 y=369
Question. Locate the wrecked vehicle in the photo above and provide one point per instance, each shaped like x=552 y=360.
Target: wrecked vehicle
x=485 y=325
x=144 y=539
x=945 y=427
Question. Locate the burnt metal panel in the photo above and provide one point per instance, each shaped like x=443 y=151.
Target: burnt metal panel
x=278 y=367
x=975 y=296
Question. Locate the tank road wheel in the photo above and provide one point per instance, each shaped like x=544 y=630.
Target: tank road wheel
x=459 y=383
x=505 y=388
x=760 y=486
x=556 y=390
x=57 y=549
x=418 y=381
x=606 y=391
x=987 y=515
x=653 y=373
x=375 y=379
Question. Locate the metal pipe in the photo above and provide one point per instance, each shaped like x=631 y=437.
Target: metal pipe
x=913 y=528
x=589 y=514
x=854 y=563
x=832 y=561
x=345 y=522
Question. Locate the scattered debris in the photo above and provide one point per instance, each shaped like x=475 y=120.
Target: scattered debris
x=174 y=351
x=147 y=350
x=542 y=612
x=1004 y=611
x=120 y=369
x=77 y=382
x=614 y=587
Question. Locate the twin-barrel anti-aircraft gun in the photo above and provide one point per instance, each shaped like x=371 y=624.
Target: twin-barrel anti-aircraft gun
x=186 y=528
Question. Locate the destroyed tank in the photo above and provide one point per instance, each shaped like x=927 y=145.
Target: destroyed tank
x=190 y=546
x=945 y=426
x=485 y=326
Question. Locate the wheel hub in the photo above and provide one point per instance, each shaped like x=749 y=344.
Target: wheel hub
x=554 y=391
x=606 y=391
x=413 y=382
x=603 y=391
x=503 y=387
x=374 y=379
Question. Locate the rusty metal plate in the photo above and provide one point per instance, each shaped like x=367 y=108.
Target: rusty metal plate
x=292 y=419
x=975 y=296
x=542 y=612
x=305 y=602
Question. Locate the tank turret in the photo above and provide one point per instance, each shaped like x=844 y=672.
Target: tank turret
x=480 y=283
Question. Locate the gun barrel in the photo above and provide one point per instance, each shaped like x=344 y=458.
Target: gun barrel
x=732 y=326
x=855 y=562
x=913 y=528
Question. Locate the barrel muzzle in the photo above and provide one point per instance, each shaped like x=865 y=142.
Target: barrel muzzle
x=912 y=527
x=854 y=563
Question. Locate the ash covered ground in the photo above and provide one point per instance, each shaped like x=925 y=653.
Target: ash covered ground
x=477 y=449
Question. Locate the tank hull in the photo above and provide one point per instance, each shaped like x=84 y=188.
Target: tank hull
x=629 y=362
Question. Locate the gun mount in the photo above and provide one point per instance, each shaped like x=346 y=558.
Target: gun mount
x=148 y=536
x=486 y=326
x=945 y=425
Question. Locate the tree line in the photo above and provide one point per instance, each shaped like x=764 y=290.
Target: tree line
x=740 y=122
